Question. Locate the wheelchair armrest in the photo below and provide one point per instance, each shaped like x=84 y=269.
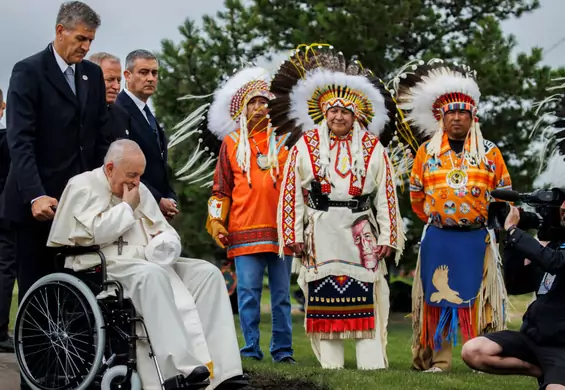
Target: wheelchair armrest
x=65 y=251
x=77 y=250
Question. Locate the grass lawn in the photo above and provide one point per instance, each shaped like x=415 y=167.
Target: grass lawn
x=307 y=375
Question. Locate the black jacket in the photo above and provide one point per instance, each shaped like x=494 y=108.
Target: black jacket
x=52 y=134
x=544 y=320
x=119 y=123
x=156 y=176
x=4 y=159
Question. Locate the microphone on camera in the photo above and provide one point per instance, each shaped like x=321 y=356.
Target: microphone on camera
x=508 y=195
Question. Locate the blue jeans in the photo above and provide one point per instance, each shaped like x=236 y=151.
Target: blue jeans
x=250 y=270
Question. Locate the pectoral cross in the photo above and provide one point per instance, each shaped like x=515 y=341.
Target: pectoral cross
x=120 y=244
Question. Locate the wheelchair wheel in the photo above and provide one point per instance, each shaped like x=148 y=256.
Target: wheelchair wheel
x=113 y=376
x=59 y=334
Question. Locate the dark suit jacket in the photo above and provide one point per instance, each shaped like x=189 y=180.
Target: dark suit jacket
x=4 y=159
x=4 y=169
x=52 y=134
x=156 y=176
x=119 y=123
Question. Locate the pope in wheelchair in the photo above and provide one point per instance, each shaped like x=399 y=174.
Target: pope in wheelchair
x=126 y=309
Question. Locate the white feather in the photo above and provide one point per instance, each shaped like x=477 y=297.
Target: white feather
x=305 y=88
x=553 y=173
x=220 y=121
x=422 y=96
x=188 y=126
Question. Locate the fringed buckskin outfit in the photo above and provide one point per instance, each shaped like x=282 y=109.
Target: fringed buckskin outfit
x=338 y=198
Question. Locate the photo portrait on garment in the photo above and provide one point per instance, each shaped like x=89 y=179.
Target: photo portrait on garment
x=365 y=239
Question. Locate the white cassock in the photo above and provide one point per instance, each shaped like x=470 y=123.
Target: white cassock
x=184 y=302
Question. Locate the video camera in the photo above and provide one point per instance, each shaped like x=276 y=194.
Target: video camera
x=546 y=203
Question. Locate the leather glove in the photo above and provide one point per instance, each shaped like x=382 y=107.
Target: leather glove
x=215 y=228
x=218 y=209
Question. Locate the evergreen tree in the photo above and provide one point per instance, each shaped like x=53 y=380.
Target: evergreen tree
x=384 y=34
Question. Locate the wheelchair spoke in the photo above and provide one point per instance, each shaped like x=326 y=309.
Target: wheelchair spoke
x=46 y=315
x=38 y=327
x=60 y=329
x=37 y=345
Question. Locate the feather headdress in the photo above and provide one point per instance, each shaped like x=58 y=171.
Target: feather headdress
x=551 y=112
x=316 y=78
x=426 y=91
x=214 y=120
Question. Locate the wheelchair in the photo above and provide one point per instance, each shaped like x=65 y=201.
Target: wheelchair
x=66 y=337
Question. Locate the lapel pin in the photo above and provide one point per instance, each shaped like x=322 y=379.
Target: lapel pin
x=84 y=77
x=127 y=132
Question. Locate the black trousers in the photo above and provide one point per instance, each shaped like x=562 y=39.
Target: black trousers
x=7 y=274
x=33 y=258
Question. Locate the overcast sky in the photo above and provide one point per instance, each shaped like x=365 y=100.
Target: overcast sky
x=27 y=26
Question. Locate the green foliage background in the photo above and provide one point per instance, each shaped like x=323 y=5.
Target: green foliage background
x=385 y=34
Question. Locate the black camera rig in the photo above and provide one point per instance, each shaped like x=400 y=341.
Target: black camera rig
x=546 y=218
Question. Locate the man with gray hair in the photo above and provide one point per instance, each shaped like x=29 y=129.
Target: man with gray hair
x=184 y=302
x=55 y=118
x=119 y=121
x=142 y=72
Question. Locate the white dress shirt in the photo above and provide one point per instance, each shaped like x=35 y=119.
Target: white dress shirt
x=138 y=102
x=62 y=63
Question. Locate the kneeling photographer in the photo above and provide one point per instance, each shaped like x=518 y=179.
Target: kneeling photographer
x=530 y=265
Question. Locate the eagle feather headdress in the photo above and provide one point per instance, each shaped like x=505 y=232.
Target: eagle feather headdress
x=426 y=91
x=316 y=78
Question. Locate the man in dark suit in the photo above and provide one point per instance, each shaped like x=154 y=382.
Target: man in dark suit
x=141 y=82
x=56 y=111
x=119 y=121
x=7 y=249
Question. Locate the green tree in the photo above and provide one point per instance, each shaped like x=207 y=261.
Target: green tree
x=388 y=33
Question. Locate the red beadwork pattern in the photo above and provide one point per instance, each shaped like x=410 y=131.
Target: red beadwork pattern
x=369 y=143
x=454 y=97
x=345 y=146
x=391 y=198
x=313 y=143
x=253 y=235
x=289 y=201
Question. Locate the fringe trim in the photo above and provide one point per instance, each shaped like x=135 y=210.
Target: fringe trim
x=417 y=300
x=489 y=313
x=401 y=240
x=296 y=265
x=493 y=299
x=442 y=324
x=351 y=325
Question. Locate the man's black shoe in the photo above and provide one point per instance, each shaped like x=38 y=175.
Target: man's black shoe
x=198 y=379
x=234 y=383
x=199 y=374
x=7 y=345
